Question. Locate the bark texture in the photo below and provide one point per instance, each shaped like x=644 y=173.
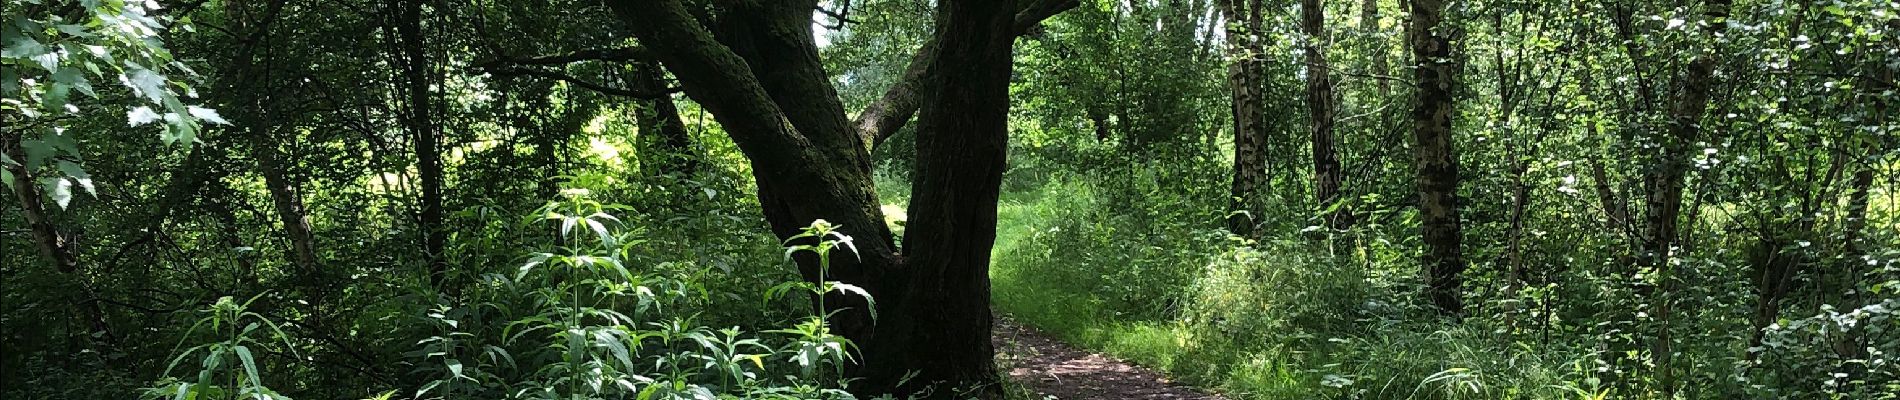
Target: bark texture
x=962 y=144
x=417 y=75
x=757 y=71
x=251 y=73
x=878 y=121
x=1245 y=77
x=1434 y=157
x=1663 y=202
x=1321 y=106
x=55 y=246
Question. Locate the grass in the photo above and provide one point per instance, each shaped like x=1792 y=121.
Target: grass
x=1075 y=316
x=1280 y=320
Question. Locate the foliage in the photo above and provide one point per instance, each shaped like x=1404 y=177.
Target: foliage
x=656 y=274
x=56 y=48
x=219 y=375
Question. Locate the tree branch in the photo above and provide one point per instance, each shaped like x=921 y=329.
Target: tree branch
x=585 y=84
x=841 y=17
x=614 y=55
x=889 y=113
x=721 y=80
x=1039 y=10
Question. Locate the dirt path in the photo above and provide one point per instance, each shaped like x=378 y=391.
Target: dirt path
x=1064 y=372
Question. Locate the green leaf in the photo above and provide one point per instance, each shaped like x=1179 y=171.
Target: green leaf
x=179 y=132
x=536 y=260
x=61 y=190
x=37 y=152
x=576 y=344
x=55 y=96
x=606 y=239
x=75 y=30
x=78 y=174
x=140 y=115
x=76 y=79
x=426 y=388
x=855 y=289
x=455 y=367
x=23 y=46
x=48 y=61
x=607 y=338
x=207 y=115
x=250 y=366
x=149 y=84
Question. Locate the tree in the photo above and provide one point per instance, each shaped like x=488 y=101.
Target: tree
x=1321 y=105
x=1245 y=77
x=254 y=94
x=755 y=68
x=1434 y=156
x=1664 y=184
x=416 y=76
x=659 y=117
x=39 y=155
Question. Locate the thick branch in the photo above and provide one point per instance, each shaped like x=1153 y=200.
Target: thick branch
x=883 y=118
x=841 y=17
x=723 y=83
x=1039 y=10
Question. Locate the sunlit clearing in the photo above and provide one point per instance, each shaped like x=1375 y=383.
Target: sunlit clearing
x=604 y=149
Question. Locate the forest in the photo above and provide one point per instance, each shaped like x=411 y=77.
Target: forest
x=950 y=199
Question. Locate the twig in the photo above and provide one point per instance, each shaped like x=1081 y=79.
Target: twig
x=840 y=17
x=604 y=89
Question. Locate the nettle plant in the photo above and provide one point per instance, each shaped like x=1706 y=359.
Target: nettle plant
x=597 y=326
x=817 y=347
x=229 y=369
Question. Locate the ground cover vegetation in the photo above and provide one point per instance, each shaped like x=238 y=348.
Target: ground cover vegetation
x=686 y=199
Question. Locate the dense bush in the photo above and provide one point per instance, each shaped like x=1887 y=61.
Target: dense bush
x=595 y=318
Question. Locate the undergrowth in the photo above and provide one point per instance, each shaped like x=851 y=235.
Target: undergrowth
x=1292 y=316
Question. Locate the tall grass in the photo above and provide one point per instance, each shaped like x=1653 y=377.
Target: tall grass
x=1280 y=319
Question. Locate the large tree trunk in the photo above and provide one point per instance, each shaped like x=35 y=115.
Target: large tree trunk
x=962 y=142
x=1665 y=185
x=418 y=119
x=1320 y=108
x=1435 y=158
x=1244 y=79
x=761 y=78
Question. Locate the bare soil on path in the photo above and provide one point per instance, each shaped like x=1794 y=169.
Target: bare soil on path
x=1060 y=371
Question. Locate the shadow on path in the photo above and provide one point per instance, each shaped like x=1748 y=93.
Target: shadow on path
x=1057 y=369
